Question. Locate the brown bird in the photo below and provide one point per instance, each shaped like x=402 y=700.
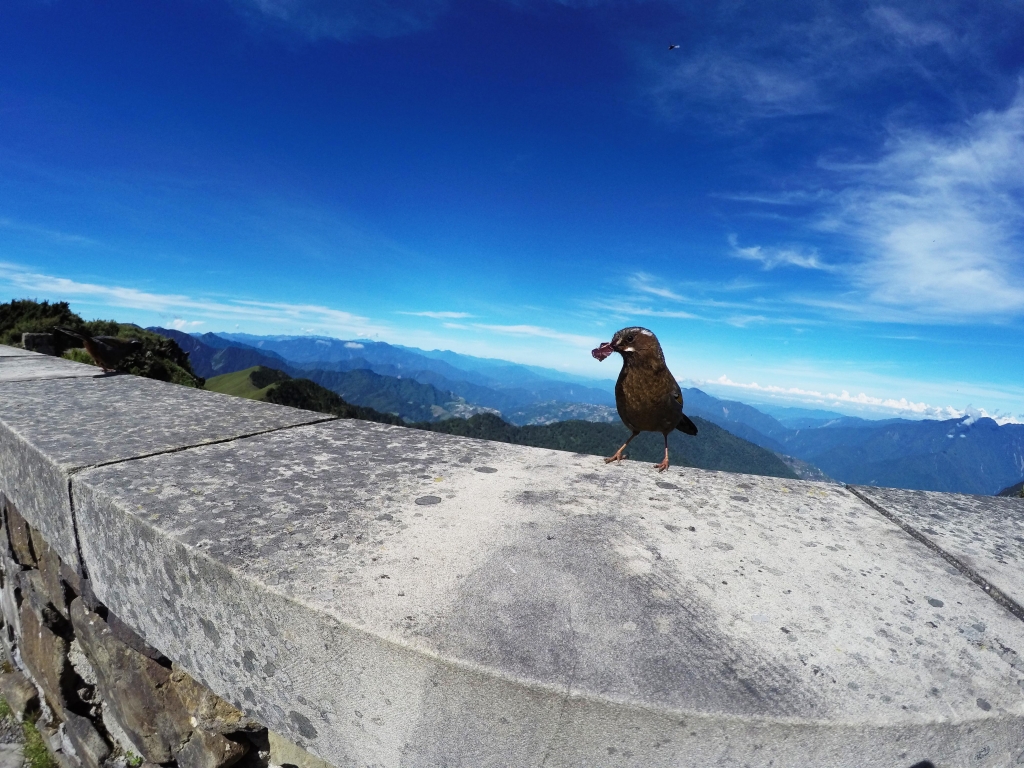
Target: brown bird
x=107 y=351
x=647 y=395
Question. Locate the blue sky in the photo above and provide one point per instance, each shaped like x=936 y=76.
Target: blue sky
x=821 y=203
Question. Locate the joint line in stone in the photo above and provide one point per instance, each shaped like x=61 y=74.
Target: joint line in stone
x=989 y=589
x=179 y=449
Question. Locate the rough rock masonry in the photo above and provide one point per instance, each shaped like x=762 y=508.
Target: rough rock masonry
x=103 y=696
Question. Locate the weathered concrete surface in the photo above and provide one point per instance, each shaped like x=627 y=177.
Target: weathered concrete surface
x=53 y=428
x=33 y=367
x=383 y=598
x=985 y=533
x=6 y=351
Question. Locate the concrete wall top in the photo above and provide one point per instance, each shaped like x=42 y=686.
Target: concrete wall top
x=6 y=351
x=31 y=367
x=984 y=533
x=53 y=427
x=390 y=597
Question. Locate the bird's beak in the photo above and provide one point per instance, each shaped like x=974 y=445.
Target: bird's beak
x=602 y=351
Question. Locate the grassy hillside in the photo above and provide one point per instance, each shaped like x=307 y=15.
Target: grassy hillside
x=712 y=448
x=273 y=386
x=159 y=357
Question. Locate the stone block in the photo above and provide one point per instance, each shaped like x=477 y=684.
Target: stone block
x=90 y=747
x=12 y=756
x=285 y=753
x=9 y=600
x=50 y=429
x=41 y=343
x=6 y=351
x=135 y=688
x=50 y=568
x=72 y=578
x=983 y=534
x=45 y=655
x=20 y=536
x=131 y=638
x=42 y=367
x=208 y=710
x=210 y=750
x=19 y=693
x=556 y=611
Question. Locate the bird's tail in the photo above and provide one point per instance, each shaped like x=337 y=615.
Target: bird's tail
x=72 y=333
x=687 y=426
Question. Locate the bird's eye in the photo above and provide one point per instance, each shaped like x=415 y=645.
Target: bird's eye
x=629 y=339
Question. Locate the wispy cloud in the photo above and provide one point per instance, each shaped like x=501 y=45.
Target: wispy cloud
x=327 y=319
x=746 y=62
x=538 y=332
x=941 y=219
x=53 y=235
x=645 y=283
x=318 y=19
x=771 y=257
x=624 y=309
x=897 y=406
x=439 y=315
x=183 y=325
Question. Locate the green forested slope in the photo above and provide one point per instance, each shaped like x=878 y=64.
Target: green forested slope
x=712 y=448
x=273 y=386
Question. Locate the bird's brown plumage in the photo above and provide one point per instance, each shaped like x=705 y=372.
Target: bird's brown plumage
x=107 y=351
x=647 y=395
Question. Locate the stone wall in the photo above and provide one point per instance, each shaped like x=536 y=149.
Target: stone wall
x=102 y=694
x=197 y=579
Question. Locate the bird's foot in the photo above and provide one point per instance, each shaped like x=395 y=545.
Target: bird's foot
x=663 y=466
x=619 y=456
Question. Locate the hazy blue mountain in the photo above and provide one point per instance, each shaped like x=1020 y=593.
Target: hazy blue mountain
x=957 y=455
x=496 y=384
x=739 y=418
x=516 y=374
x=961 y=455
x=209 y=361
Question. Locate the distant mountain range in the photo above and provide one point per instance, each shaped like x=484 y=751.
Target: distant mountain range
x=961 y=455
x=716 y=449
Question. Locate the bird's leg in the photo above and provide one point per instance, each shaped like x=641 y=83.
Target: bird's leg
x=618 y=454
x=664 y=462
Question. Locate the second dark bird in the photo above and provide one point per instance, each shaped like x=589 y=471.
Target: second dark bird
x=647 y=395
x=107 y=351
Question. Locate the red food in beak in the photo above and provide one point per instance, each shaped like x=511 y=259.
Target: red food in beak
x=603 y=351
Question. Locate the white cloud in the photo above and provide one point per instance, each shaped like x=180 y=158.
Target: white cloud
x=538 y=331
x=439 y=315
x=908 y=31
x=353 y=345
x=326 y=319
x=771 y=257
x=764 y=87
x=180 y=325
x=942 y=220
x=897 y=406
x=647 y=284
